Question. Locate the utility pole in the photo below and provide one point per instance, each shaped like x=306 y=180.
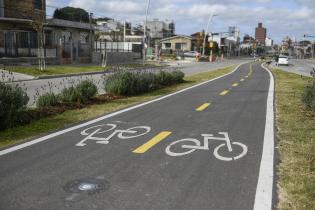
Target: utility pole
x=205 y=35
x=145 y=33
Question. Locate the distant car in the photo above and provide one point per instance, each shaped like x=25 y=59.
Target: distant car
x=192 y=54
x=283 y=60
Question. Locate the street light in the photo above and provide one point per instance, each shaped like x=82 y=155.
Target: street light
x=145 y=31
x=204 y=40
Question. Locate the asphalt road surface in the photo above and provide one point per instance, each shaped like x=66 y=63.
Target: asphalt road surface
x=170 y=153
x=298 y=66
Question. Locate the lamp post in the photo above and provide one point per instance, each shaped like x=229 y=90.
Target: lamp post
x=145 y=32
x=204 y=40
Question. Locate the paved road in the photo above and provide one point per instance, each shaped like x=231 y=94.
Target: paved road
x=35 y=88
x=140 y=164
x=190 y=68
x=298 y=66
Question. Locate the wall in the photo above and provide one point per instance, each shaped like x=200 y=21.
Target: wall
x=22 y=9
x=179 y=40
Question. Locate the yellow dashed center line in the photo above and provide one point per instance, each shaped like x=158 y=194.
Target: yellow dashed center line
x=224 y=92
x=235 y=84
x=149 y=144
x=202 y=107
x=242 y=80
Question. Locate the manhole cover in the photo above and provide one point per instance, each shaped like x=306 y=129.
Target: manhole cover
x=87 y=185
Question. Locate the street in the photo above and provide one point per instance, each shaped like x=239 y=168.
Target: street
x=205 y=147
x=298 y=66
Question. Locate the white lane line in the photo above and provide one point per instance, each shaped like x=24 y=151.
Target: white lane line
x=44 y=138
x=263 y=197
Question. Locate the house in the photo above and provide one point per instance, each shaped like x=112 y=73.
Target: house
x=179 y=43
x=21 y=23
x=74 y=40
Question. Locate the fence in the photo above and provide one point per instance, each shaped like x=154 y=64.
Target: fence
x=23 y=44
x=101 y=46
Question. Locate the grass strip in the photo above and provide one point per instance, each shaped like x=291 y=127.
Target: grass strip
x=66 y=69
x=49 y=124
x=296 y=142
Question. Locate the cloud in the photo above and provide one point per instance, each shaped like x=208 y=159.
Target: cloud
x=293 y=18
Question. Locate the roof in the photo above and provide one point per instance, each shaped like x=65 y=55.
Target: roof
x=175 y=37
x=69 y=24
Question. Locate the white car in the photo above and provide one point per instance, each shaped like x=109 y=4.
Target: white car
x=283 y=60
x=192 y=54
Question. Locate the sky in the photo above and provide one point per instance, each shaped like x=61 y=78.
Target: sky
x=281 y=17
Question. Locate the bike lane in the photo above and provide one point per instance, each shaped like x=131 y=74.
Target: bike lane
x=153 y=179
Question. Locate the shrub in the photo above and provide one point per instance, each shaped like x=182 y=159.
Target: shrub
x=86 y=90
x=82 y=92
x=47 y=99
x=129 y=83
x=12 y=100
x=69 y=95
x=163 y=78
x=308 y=97
x=169 y=78
x=132 y=83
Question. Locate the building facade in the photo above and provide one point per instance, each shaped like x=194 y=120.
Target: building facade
x=20 y=25
x=260 y=34
x=158 y=30
x=178 y=43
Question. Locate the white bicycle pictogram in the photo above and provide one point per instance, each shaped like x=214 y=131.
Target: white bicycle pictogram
x=194 y=144
x=95 y=133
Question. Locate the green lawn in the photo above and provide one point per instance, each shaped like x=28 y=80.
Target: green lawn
x=40 y=127
x=65 y=69
x=296 y=142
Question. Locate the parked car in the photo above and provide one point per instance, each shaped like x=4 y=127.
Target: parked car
x=192 y=54
x=283 y=60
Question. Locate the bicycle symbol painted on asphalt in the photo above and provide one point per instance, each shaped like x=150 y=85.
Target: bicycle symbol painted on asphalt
x=96 y=133
x=227 y=151
x=190 y=145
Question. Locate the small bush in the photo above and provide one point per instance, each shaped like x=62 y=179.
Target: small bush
x=86 y=90
x=132 y=83
x=12 y=100
x=69 y=95
x=169 y=78
x=308 y=97
x=129 y=83
x=47 y=99
x=82 y=92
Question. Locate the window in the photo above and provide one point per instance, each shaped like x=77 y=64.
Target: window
x=167 y=45
x=180 y=46
x=38 y=4
x=1 y=8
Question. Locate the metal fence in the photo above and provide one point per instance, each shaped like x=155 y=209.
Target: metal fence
x=23 y=44
x=104 y=46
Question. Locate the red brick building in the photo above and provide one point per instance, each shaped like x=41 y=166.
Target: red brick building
x=260 y=34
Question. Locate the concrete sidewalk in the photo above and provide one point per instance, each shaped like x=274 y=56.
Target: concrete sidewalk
x=7 y=76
